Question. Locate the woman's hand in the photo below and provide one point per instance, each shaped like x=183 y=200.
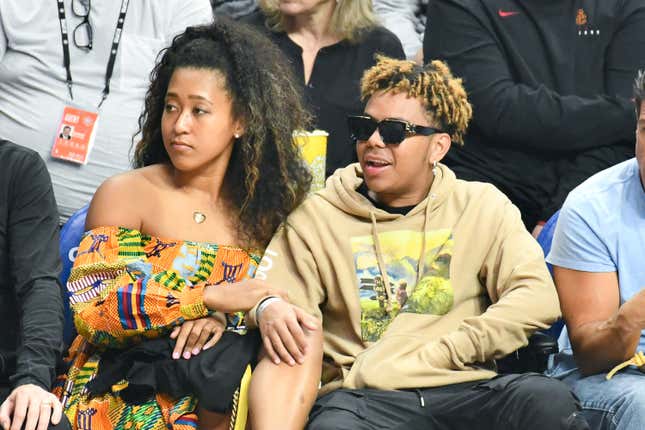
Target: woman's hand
x=239 y=296
x=281 y=325
x=195 y=336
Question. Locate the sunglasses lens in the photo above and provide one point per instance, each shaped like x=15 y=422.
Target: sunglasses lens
x=392 y=131
x=361 y=128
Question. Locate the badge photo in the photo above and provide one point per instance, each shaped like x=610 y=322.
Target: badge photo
x=75 y=135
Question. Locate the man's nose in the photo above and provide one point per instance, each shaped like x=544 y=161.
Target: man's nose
x=375 y=139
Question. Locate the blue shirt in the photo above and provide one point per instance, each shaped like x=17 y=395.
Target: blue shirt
x=601 y=228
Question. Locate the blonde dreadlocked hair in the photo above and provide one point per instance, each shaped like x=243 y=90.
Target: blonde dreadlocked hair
x=443 y=95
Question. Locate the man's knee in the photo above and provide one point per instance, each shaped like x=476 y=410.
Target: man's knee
x=545 y=393
x=543 y=398
x=630 y=408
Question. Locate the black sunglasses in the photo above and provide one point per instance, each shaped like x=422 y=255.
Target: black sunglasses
x=392 y=131
x=83 y=33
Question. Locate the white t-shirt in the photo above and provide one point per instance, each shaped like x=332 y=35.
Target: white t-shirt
x=33 y=90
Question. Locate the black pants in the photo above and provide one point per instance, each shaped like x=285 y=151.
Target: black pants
x=5 y=391
x=526 y=401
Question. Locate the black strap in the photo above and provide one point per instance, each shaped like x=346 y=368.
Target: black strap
x=65 y=40
x=116 y=40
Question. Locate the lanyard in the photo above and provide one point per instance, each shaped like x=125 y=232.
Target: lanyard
x=113 y=50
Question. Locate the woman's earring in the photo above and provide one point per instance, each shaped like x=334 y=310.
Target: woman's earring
x=434 y=168
x=236 y=135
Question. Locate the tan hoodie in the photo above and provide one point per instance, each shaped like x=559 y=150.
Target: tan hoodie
x=481 y=289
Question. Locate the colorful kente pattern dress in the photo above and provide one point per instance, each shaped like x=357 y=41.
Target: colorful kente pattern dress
x=126 y=287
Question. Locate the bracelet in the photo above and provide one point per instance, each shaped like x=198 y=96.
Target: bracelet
x=263 y=305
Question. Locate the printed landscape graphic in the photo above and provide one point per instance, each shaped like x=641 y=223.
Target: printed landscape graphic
x=401 y=252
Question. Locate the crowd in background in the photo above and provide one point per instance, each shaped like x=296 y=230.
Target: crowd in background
x=446 y=122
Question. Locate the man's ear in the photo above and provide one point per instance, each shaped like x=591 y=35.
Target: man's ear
x=439 y=146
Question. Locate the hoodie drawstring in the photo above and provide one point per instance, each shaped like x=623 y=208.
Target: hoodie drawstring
x=422 y=256
x=379 y=254
x=381 y=264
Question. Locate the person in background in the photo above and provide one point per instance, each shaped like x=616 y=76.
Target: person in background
x=597 y=256
x=31 y=307
x=163 y=273
x=330 y=44
x=550 y=84
x=407 y=19
x=476 y=283
x=235 y=9
x=61 y=56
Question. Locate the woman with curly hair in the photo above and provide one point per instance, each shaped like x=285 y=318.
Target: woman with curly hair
x=162 y=277
x=329 y=44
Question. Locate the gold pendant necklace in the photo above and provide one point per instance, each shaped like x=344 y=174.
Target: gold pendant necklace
x=199 y=217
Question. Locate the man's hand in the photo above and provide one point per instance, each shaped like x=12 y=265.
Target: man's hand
x=196 y=335
x=537 y=230
x=281 y=325
x=32 y=406
x=239 y=296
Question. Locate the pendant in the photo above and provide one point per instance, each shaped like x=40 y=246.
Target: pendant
x=199 y=217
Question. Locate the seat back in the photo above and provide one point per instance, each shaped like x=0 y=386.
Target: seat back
x=545 y=239
x=70 y=237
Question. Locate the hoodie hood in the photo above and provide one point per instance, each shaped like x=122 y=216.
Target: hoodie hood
x=341 y=191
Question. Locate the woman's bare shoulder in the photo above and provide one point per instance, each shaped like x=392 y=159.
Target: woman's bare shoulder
x=123 y=199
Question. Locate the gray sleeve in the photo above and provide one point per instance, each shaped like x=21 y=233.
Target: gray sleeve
x=398 y=17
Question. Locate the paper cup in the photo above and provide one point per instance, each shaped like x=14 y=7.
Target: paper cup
x=313 y=147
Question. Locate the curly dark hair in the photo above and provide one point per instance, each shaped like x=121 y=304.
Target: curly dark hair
x=266 y=177
x=443 y=94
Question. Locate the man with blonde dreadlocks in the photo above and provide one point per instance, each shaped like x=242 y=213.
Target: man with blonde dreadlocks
x=475 y=281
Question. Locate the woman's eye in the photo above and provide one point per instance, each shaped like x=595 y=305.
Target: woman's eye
x=200 y=111
x=169 y=108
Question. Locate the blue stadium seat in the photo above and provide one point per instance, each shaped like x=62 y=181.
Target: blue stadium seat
x=545 y=238
x=70 y=237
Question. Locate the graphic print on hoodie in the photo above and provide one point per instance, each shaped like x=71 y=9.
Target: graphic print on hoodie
x=413 y=287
